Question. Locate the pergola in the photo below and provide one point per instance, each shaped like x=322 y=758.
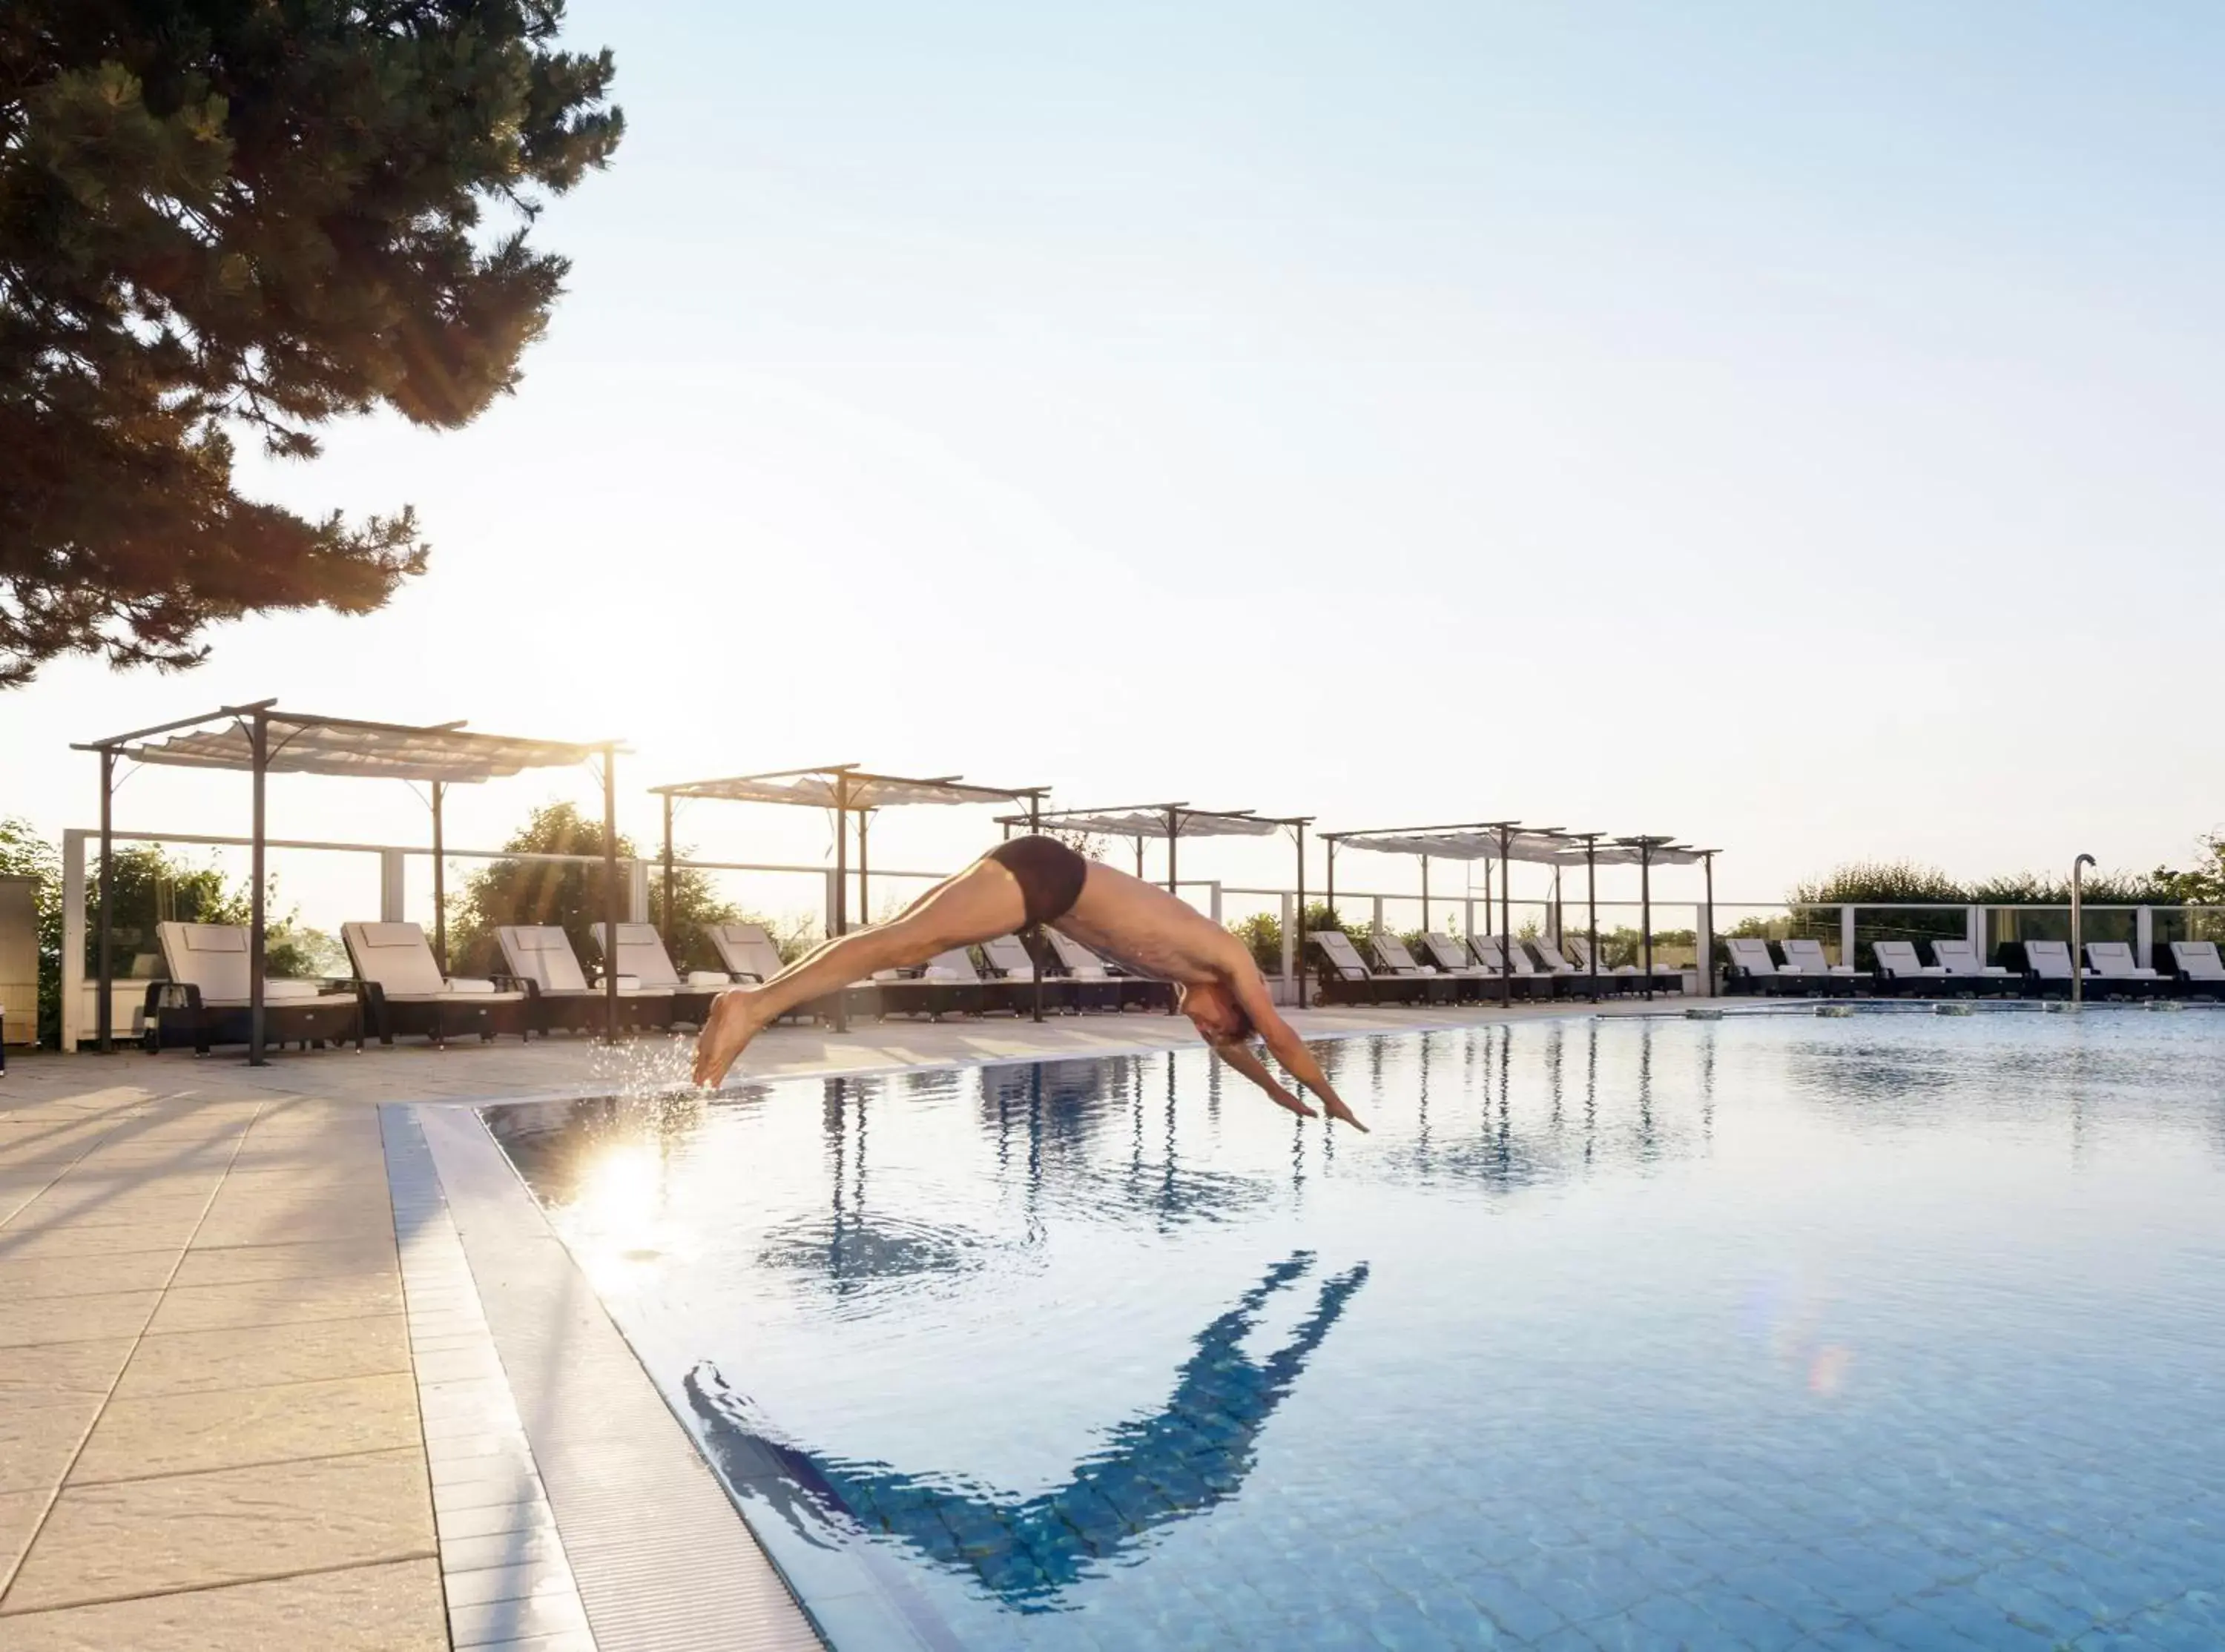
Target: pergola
x=847 y=789
x=1173 y=822
x=260 y=739
x=1507 y=841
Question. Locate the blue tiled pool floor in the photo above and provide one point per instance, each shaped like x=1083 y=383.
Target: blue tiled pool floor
x=1767 y=1333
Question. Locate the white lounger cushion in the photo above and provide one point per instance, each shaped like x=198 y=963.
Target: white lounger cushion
x=1008 y=955
x=2199 y=959
x=396 y=957
x=212 y=958
x=1392 y=950
x=541 y=953
x=1342 y=955
x=1079 y=961
x=2114 y=960
x=745 y=949
x=1960 y=958
x=1750 y=953
x=1899 y=957
x=2050 y=960
x=641 y=955
x=1451 y=956
x=1581 y=946
x=1806 y=957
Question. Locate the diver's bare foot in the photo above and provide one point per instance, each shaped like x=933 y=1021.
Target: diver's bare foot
x=732 y=1022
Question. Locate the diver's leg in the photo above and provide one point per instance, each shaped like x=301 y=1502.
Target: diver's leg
x=980 y=903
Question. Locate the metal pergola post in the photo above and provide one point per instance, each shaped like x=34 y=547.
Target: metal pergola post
x=1035 y=953
x=106 y=1014
x=1646 y=911
x=667 y=928
x=257 y=947
x=1425 y=895
x=1591 y=909
x=1298 y=941
x=1506 y=916
x=613 y=898
x=1174 y=836
x=865 y=872
x=1708 y=926
x=440 y=884
x=841 y=886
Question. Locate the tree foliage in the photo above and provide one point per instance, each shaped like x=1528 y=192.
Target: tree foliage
x=222 y=217
x=150 y=886
x=571 y=894
x=1884 y=883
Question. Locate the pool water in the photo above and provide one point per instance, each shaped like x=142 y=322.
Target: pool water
x=1771 y=1331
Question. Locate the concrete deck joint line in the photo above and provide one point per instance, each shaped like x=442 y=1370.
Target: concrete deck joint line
x=504 y=1571
x=606 y=1447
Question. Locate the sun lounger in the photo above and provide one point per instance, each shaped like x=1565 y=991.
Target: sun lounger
x=1900 y=970
x=2199 y=967
x=1016 y=969
x=1755 y=969
x=405 y=993
x=205 y=1002
x=2113 y=963
x=1391 y=953
x=747 y=953
x=1580 y=948
x=1960 y=960
x=1349 y=980
x=540 y=955
x=1522 y=978
x=641 y=957
x=2047 y=965
x=1805 y=955
x=1086 y=967
x=1568 y=981
x=1456 y=962
x=745 y=950
x=947 y=984
x=1573 y=951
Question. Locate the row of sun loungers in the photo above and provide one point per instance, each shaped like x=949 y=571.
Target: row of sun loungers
x=1955 y=969
x=1478 y=967
x=398 y=989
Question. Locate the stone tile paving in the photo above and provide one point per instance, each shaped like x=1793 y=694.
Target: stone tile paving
x=217 y=1462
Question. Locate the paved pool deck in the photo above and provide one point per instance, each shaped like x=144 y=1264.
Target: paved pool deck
x=284 y=1363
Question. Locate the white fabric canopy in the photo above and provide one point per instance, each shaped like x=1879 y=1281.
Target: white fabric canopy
x=299 y=743
x=819 y=789
x=1532 y=848
x=1152 y=823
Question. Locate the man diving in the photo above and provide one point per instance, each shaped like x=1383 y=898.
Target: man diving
x=1035 y=880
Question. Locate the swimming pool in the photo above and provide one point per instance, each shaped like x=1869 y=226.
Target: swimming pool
x=1775 y=1331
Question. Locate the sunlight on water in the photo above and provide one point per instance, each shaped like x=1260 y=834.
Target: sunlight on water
x=1626 y=1333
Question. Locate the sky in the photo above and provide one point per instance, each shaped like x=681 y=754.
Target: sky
x=1790 y=430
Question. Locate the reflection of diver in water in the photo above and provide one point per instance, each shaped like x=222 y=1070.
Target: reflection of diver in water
x=1194 y=1452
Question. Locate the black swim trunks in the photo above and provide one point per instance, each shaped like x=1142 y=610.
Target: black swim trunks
x=1050 y=875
